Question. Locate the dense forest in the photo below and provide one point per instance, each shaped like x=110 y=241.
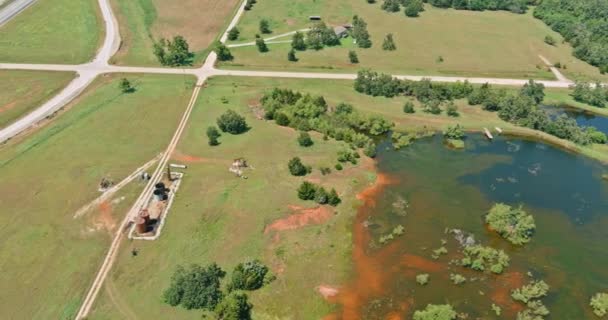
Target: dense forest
x=583 y=23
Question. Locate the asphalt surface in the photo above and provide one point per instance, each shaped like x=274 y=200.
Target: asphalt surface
x=12 y=9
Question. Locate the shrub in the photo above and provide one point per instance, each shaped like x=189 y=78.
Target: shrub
x=457 y=278
x=213 y=134
x=307 y=191
x=223 y=53
x=250 y=275
x=321 y=196
x=389 y=43
x=408 y=107
x=352 y=56
x=338 y=166
x=125 y=86
x=297 y=42
x=370 y=150
x=232 y=122
x=513 y=224
x=281 y=119
x=599 y=304
x=414 y=8
x=195 y=288
x=533 y=290
x=297 y=168
x=436 y=312
x=174 y=52
x=261 y=44
x=452 y=110
x=333 y=199
x=549 y=40
x=304 y=140
x=234 y=33
x=265 y=26
x=481 y=258
x=291 y=55
x=234 y=307
x=454 y=132
x=422 y=279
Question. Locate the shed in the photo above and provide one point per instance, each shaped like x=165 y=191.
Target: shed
x=314 y=18
x=341 y=32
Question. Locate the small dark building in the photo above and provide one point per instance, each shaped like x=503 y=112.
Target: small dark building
x=314 y=18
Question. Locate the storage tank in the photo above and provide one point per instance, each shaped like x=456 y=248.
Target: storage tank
x=140 y=224
x=145 y=215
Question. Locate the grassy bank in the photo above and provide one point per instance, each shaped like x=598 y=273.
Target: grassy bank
x=53 y=31
x=143 y=22
x=49 y=258
x=23 y=91
x=483 y=44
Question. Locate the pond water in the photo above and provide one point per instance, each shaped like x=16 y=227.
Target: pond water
x=428 y=189
x=583 y=118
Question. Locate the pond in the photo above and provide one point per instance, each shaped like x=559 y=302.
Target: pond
x=582 y=117
x=429 y=190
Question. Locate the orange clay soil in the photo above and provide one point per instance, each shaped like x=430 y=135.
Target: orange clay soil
x=300 y=218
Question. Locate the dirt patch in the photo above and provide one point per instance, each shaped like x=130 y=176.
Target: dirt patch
x=104 y=219
x=421 y=264
x=302 y=217
x=501 y=295
x=327 y=292
x=368 y=196
x=186 y=158
x=8 y=106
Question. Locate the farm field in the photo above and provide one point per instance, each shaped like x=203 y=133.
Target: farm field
x=481 y=44
x=48 y=257
x=23 y=91
x=221 y=218
x=143 y=22
x=53 y=31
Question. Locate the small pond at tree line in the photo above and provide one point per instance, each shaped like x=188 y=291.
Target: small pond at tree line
x=582 y=117
x=428 y=189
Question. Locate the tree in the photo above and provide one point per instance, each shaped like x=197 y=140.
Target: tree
x=261 y=44
x=360 y=33
x=304 y=140
x=549 y=40
x=291 y=55
x=454 y=132
x=195 y=288
x=321 y=35
x=249 y=4
x=389 y=43
x=174 y=52
x=232 y=122
x=333 y=199
x=213 y=134
x=234 y=307
x=223 y=53
x=422 y=279
x=370 y=149
x=233 y=34
x=125 y=86
x=250 y=275
x=352 y=56
x=391 y=5
x=297 y=42
x=297 y=168
x=408 y=107
x=513 y=224
x=321 y=196
x=307 y=191
x=534 y=90
x=432 y=106
x=452 y=109
x=414 y=8
x=599 y=303
x=436 y=312
x=534 y=290
x=265 y=26
x=281 y=119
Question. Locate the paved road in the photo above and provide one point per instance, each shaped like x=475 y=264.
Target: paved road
x=13 y=9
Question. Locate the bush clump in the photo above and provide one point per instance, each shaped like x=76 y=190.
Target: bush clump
x=482 y=258
x=422 y=279
x=513 y=224
x=310 y=191
x=304 y=139
x=457 y=279
x=599 y=304
x=232 y=122
x=297 y=168
x=436 y=312
x=195 y=288
x=534 y=290
x=250 y=275
x=235 y=306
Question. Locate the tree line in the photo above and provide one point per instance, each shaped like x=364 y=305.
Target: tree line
x=521 y=108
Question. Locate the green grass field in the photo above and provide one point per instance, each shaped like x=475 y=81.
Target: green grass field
x=23 y=91
x=220 y=218
x=144 y=21
x=53 y=31
x=482 y=44
x=47 y=257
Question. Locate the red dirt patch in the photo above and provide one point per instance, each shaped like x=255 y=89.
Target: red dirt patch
x=420 y=263
x=300 y=219
x=327 y=292
x=502 y=292
x=178 y=156
x=8 y=106
x=104 y=219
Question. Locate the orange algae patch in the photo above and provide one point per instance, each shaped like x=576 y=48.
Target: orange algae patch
x=303 y=218
x=502 y=292
x=422 y=264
